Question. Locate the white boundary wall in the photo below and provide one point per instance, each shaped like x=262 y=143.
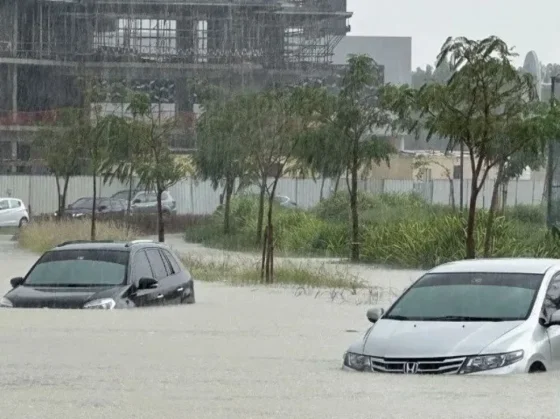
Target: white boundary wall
x=195 y=197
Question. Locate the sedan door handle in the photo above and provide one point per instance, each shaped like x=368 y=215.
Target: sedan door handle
x=159 y=296
x=180 y=289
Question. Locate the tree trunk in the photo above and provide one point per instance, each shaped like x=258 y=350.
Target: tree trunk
x=60 y=211
x=321 y=196
x=160 y=224
x=64 y=193
x=491 y=213
x=227 y=208
x=260 y=216
x=452 y=193
x=470 y=242
x=129 y=204
x=337 y=183
x=355 y=254
x=269 y=242
x=94 y=206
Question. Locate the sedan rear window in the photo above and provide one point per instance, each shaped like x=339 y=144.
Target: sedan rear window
x=88 y=267
x=468 y=297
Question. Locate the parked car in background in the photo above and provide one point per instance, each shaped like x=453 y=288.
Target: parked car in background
x=485 y=316
x=124 y=194
x=84 y=207
x=103 y=275
x=13 y=213
x=146 y=203
x=285 y=201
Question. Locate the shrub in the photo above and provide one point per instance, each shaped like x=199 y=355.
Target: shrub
x=534 y=214
x=40 y=236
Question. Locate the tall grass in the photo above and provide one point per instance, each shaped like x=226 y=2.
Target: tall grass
x=401 y=230
x=41 y=236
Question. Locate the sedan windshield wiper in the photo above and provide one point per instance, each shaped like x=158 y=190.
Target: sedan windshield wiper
x=396 y=317
x=465 y=319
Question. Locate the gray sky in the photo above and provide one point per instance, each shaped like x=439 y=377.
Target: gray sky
x=430 y=22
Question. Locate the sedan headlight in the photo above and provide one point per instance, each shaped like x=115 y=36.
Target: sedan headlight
x=4 y=302
x=77 y=215
x=489 y=362
x=357 y=362
x=102 y=304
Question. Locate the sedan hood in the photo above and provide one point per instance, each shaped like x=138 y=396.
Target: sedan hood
x=59 y=297
x=423 y=339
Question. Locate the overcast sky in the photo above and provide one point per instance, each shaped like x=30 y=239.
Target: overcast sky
x=430 y=22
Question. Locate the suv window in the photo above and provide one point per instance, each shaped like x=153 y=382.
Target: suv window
x=552 y=298
x=164 y=196
x=15 y=203
x=174 y=266
x=141 y=267
x=158 y=266
x=4 y=204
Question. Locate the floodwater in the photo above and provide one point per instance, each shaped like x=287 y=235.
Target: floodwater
x=239 y=352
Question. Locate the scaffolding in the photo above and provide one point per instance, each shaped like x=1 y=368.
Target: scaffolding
x=153 y=46
x=271 y=34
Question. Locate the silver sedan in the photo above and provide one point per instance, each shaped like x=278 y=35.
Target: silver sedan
x=485 y=316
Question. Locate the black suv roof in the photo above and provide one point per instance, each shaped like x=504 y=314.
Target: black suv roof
x=106 y=244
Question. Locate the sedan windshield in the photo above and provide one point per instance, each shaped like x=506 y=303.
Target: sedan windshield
x=88 y=267
x=468 y=297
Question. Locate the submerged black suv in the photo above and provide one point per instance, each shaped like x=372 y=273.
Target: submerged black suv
x=103 y=275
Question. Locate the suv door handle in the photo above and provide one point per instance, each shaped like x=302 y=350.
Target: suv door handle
x=180 y=289
x=159 y=296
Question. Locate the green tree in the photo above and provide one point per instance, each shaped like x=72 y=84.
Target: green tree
x=158 y=169
x=222 y=153
x=484 y=100
x=127 y=145
x=358 y=125
x=62 y=152
x=278 y=122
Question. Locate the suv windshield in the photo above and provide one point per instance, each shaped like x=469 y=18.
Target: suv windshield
x=468 y=297
x=88 y=267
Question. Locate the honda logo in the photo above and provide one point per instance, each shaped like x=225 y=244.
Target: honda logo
x=410 y=368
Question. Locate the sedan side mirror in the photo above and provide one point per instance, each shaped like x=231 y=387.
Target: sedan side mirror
x=554 y=319
x=136 y=201
x=147 y=283
x=102 y=208
x=374 y=314
x=16 y=282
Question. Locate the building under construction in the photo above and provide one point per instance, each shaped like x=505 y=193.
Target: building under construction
x=48 y=46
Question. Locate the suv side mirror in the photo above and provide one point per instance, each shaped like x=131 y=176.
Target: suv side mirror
x=102 y=208
x=136 y=201
x=554 y=319
x=147 y=283
x=16 y=282
x=374 y=314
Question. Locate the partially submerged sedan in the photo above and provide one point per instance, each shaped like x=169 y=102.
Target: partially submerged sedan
x=485 y=316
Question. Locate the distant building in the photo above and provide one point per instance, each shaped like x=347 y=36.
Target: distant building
x=392 y=52
x=49 y=49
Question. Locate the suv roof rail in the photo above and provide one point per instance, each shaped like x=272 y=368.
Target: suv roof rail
x=130 y=243
x=66 y=243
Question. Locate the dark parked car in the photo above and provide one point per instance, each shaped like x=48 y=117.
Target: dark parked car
x=103 y=275
x=84 y=207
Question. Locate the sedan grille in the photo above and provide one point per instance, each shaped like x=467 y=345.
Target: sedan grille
x=417 y=365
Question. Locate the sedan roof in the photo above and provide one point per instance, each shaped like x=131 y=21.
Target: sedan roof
x=506 y=265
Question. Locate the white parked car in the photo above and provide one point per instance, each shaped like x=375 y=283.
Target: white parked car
x=13 y=212
x=485 y=316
